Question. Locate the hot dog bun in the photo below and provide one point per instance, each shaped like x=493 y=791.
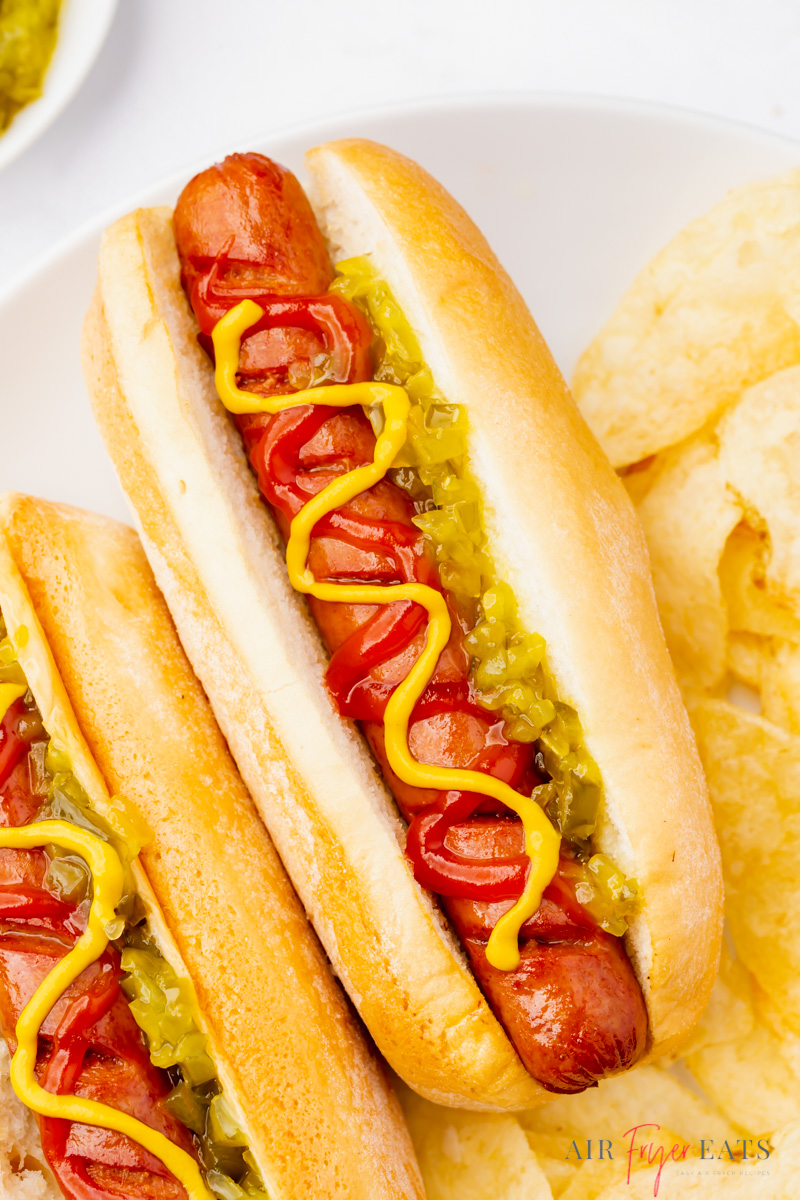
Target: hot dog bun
x=566 y=540
x=105 y=664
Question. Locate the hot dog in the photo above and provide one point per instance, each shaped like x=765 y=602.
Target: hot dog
x=197 y=1018
x=388 y=482
x=583 y=970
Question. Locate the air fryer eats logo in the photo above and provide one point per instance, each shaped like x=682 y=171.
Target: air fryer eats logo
x=642 y=1146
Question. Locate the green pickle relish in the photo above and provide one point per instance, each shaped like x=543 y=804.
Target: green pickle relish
x=509 y=664
x=27 y=37
x=162 y=1003
x=163 y=1007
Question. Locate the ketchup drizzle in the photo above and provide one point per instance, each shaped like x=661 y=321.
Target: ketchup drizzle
x=38 y=927
x=388 y=551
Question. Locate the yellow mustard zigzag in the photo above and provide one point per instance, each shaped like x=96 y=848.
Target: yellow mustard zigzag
x=107 y=875
x=542 y=842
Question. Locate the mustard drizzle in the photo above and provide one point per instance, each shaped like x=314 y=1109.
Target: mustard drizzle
x=542 y=842
x=107 y=875
x=9 y=693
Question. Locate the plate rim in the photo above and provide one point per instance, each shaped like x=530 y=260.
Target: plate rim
x=465 y=101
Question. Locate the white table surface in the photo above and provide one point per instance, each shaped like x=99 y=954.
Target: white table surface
x=181 y=80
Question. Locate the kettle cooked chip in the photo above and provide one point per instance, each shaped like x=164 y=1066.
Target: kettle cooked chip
x=715 y=311
x=759 y=449
x=721 y=514
x=473 y=1156
x=687 y=517
x=753 y=770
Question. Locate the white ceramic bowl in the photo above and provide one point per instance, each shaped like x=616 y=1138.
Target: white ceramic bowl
x=82 y=29
x=575 y=195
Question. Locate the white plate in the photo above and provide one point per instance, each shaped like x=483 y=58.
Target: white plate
x=82 y=29
x=574 y=195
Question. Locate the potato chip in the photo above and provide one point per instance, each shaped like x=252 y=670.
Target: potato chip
x=759 y=453
x=779 y=685
x=472 y=1156
x=738 y=1058
x=730 y=1012
x=640 y=477
x=552 y=1157
x=559 y=1173
x=763 y=631
x=753 y=770
x=771 y=667
x=687 y=517
x=715 y=311
x=721 y=513
x=750 y=1080
x=647 y=1094
x=753 y=606
x=594 y=1179
x=774 y=1020
x=743 y=1055
x=759 y=456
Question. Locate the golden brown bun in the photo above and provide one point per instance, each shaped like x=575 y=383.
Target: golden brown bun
x=283 y=1036
x=565 y=538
